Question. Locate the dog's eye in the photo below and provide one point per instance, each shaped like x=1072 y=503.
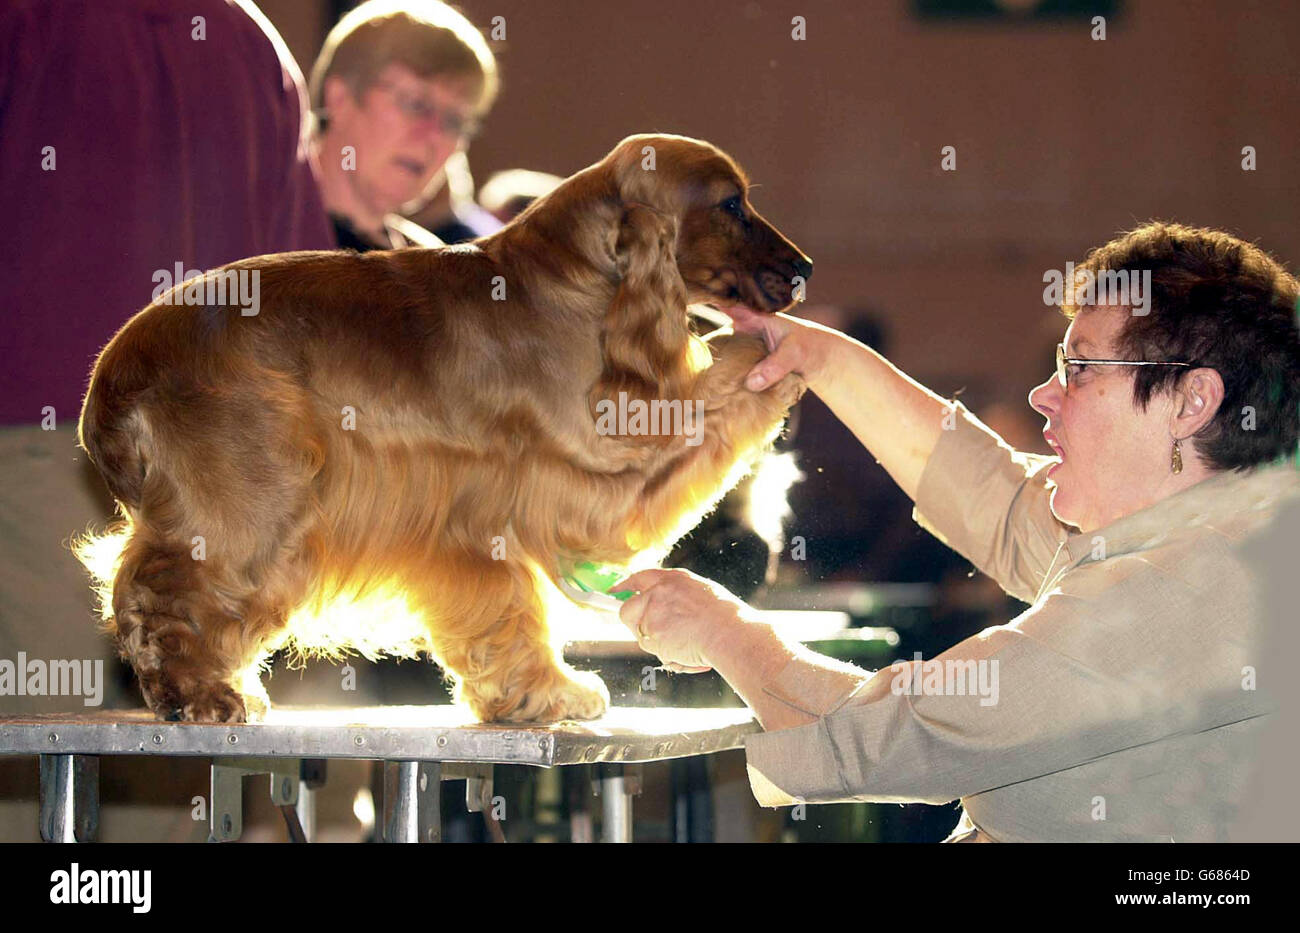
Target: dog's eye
x=733 y=207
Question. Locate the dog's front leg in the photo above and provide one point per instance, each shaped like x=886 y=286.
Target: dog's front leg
x=736 y=426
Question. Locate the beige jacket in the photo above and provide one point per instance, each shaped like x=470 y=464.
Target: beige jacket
x=1120 y=707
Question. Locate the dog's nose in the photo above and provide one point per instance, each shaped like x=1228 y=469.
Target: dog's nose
x=803 y=267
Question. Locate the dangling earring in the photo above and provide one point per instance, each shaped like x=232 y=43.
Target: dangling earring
x=1176 y=461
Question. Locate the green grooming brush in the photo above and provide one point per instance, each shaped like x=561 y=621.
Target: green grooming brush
x=591 y=578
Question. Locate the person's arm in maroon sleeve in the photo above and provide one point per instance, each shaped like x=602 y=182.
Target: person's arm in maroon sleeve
x=298 y=219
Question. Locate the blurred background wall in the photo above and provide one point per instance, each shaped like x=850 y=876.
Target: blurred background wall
x=1061 y=141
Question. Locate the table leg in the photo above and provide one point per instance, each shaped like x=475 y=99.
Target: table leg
x=412 y=801
x=227 y=803
x=69 y=798
x=287 y=794
x=313 y=774
x=618 y=785
x=306 y=810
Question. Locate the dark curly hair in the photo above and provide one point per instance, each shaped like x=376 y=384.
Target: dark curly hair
x=1219 y=302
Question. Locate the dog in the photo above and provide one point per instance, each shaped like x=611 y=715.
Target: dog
x=423 y=425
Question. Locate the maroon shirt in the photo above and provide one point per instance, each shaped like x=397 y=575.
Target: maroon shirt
x=167 y=149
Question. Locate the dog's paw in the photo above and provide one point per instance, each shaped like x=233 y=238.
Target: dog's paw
x=734 y=357
x=789 y=390
x=734 y=351
x=219 y=703
x=583 y=695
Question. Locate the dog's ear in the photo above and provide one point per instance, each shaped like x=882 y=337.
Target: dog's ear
x=632 y=176
x=634 y=164
x=646 y=338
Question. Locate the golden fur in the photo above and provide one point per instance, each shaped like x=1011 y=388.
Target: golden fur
x=471 y=477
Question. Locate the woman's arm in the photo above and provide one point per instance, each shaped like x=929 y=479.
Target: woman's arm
x=992 y=505
x=693 y=623
x=899 y=421
x=750 y=655
x=895 y=417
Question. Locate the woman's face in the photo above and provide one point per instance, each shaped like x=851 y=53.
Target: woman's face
x=404 y=129
x=1114 y=456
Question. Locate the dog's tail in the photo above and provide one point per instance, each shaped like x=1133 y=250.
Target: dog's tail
x=114 y=433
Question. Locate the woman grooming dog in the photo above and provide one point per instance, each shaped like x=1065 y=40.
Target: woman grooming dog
x=1121 y=705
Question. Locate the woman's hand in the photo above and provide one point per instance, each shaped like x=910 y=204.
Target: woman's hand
x=793 y=346
x=678 y=616
x=858 y=385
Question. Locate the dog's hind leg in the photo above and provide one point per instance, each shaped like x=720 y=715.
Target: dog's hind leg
x=186 y=648
x=200 y=598
x=221 y=543
x=194 y=643
x=487 y=626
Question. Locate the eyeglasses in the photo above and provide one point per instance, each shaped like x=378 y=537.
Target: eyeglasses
x=423 y=110
x=1067 y=366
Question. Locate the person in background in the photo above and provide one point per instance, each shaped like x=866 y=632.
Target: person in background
x=136 y=138
x=398 y=91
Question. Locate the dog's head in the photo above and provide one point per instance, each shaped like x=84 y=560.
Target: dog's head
x=726 y=252
x=662 y=222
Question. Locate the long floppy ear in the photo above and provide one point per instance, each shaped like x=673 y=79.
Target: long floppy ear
x=646 y=341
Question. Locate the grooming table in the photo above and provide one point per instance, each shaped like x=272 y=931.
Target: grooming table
x=421 y=746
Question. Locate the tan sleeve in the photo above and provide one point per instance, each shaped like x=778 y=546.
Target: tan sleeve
x=990 y=503
x=1069 y=681
x=814 y=684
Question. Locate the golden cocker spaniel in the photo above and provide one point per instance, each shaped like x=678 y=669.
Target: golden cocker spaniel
x=443 y=431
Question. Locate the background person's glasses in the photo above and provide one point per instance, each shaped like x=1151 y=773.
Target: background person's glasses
x=425 y=111
x=1067 y=366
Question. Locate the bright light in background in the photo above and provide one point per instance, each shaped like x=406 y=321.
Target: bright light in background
x=767 y=508
x=363 y=808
